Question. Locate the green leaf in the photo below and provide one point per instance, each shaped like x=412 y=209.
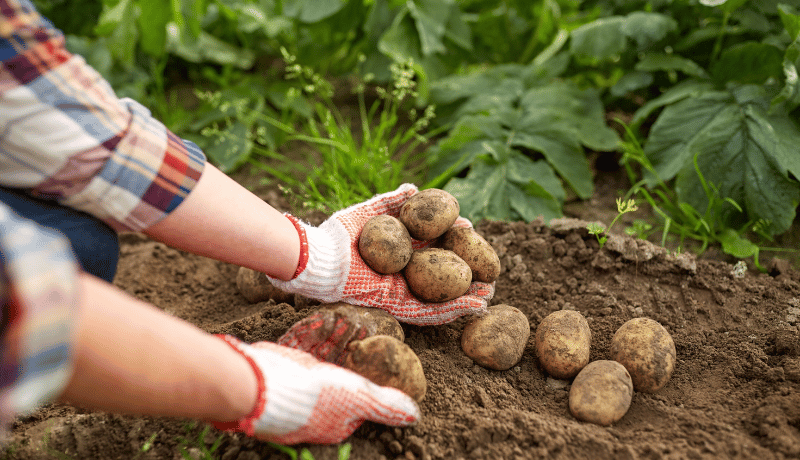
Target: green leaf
x=600 y=39
x=791 y=20
x=401 y=41
x=736 y=245
x=153 y=22
x=430 y=18
x=119 y=25
x=652 y=62
x=310 y=11
x=233 y=149
x=748 y=62
x=631 y=81
x=648 y=28
x=744 y=152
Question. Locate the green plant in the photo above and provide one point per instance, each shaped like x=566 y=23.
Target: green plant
x=347 y=161
x=342 y=453
x=681 y=218
x=517 y=132
x=197 y=444
x=600 y=232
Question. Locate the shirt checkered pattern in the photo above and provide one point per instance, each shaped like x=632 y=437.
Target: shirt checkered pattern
x=65 y=135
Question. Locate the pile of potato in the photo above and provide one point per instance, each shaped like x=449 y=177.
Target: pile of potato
x=642 y=352
x=444 y=269
x=642 y=356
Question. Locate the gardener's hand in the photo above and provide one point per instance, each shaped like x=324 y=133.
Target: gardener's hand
x=331 y=268
x=303 y=400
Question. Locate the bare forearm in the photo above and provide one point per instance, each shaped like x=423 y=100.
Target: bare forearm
x=133 y=358
x=222 y=220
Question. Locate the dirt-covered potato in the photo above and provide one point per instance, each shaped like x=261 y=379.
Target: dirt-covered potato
x=387 y=361
x=481 y=257
x=497 y=338
x=647 y=351
x=429 y=213
x=563 y=342
x=437 y=275
x=255 y=287
x=385 y=244
x=601 y=393
x=376 y=321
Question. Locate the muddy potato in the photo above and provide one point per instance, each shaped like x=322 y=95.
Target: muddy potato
x=563 y=342
x=497 y=338
x=481 y=257
x=429 y=213
x=385 y=244
x=255 y=287
x=647 y=351
x=376 y=321
x=601 y=393
x=387 y=361
x=437 y=275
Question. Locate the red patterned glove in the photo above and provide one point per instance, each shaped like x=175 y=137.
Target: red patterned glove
x=303 y=400
x=331 y=268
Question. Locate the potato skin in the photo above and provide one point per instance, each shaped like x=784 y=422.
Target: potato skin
x=387 y=361
x=375 y=320
x=497 y=338
x=385 y=244
x=429 y=213
x=563 y=343
x=255 y=287
x=647 y=351
x=481 y=257
x=437 y=275
x=601 y=393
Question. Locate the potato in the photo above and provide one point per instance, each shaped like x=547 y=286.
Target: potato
x=385 y=244
x=601 y=393
x=429 y=213
x=255 y=287
x=437 y=275
x=376 y=321
x=387 y=361
x=481 y=257
x=563 y=342
x=647 y=351
x=497 y=338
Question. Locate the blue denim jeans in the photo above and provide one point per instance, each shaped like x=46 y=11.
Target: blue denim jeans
x=95 y=244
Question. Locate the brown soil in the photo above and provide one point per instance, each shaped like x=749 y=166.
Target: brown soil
x=735 y=392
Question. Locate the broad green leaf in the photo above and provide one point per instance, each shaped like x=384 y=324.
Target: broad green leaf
x=208 y=48
x=457 y=29
x=631 y=81
x=119 y=25
x=748 y=62
x=652 y=62
x=487 y=193
x=736 y=245
x=231 y=150
x=153 y=21
x=564 y=153
x=672 y=141
x=430 y=19
x=401 y=40
x=648 y=28
x=791 y=20
x=600 y=39
x=310 y=11
x=687 y=89
x=744 y=152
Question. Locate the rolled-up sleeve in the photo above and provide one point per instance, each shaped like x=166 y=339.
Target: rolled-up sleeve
x=65 y=135
x=39 y=286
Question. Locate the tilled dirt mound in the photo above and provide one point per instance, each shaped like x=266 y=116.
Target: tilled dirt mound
x=735 y=392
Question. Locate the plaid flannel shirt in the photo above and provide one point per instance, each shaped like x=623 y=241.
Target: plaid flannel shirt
x=65 y=135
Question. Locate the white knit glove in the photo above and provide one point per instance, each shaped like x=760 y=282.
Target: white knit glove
x=332 y=270
x=304 y=400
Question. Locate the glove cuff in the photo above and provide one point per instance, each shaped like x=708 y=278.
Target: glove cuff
x=245 y=424
x=324 y=262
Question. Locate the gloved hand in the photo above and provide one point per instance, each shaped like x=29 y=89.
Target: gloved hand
x=331 y=268
x=303 y=400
